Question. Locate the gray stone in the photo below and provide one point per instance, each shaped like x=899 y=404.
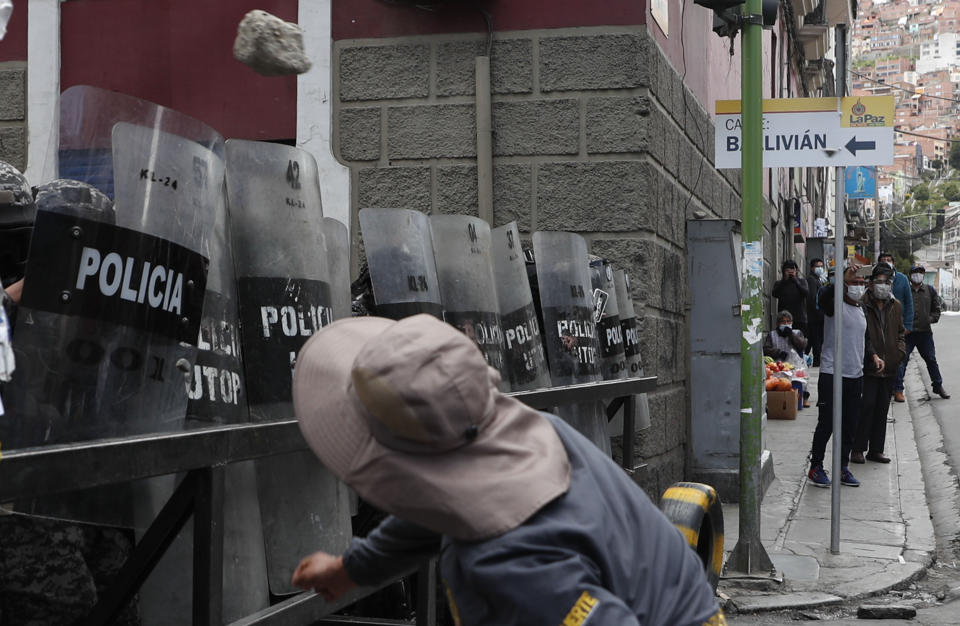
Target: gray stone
x=511 y=66
x=431 y=131
x=13 y=148
x=400 y=187
x=384 y=72
x=593 y=62
x=675 y=412
x=536 y=127
x=886 y=611
x=657 y=124
x=457 y=189
x=12 y=94
x=642 y=259
x=270 y=45
x=360 y=134
x=671 y=146
x=671 y=359
x=618 y=124
x=512 y=194
x=663 y=87
x=603 y=196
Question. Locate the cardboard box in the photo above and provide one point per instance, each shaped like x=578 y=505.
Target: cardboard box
x=782 y=405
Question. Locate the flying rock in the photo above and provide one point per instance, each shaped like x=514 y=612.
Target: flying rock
x=269 y=45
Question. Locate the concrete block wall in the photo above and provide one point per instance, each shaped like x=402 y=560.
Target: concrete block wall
x=13 y=113
x=594 y=133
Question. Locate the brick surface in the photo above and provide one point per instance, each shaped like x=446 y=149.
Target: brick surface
x=13 y=146
x=536 y=127
x=431 y=131
x=512 y=194
x=457 y=189
x=360 y=134
x=396 y=187
x=618 y=125
x=13 y=85
x=384 y=72
x=511 y=66
x=593 y=62
x=595 y=197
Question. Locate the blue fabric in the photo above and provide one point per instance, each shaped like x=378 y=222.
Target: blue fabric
x=603 y=550
x=923 y=342
x=903 y=293
x=852 y=393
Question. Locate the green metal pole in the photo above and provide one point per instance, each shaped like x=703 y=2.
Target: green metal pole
x=749 y=556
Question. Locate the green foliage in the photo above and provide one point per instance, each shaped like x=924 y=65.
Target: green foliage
x=955 y=155
x=920 y=193
x=950 y=191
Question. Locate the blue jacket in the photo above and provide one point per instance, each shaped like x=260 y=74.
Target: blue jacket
x=602 y=550
x=902 y=292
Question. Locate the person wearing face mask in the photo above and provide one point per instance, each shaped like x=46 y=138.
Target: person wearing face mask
x=926 y=312
x=815 y=280
x=784 y=343
x=791 y=293
x=885 y=328
x=856 y=347
x=903 y=293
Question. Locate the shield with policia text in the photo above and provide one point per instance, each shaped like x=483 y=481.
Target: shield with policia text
x=523 y=353
x=606 y=314
x=284 y=291
x=467 y=293
x=399 y=249
x=631 y=345
x=570 y=333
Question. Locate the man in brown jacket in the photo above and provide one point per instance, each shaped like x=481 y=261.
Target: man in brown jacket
x=886 y=330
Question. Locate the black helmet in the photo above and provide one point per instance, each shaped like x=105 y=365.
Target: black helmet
x=17 y=214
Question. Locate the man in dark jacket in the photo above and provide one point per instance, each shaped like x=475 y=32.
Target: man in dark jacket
x=791 y=293
x=532 y=523
x=885 y=328
x=816 y=280
x=926 y=311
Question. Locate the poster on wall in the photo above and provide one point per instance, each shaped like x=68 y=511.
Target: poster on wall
x=660 y=10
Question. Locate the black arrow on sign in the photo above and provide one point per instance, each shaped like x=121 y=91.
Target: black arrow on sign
x=853 y=145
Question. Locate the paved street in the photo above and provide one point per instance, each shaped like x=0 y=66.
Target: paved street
x=936 y=594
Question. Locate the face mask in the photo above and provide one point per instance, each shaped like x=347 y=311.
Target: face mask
x=785 y=327
x=882 y=291
x=856 y=291
x=916 y=278
x=819 y=271
x=889 y=264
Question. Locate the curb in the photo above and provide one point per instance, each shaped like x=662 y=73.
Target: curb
x=919 y=549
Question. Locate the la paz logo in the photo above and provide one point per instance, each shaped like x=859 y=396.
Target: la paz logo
x=860 y=117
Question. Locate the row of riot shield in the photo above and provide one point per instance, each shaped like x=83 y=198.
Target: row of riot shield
x=456 y=268
x=169 y=285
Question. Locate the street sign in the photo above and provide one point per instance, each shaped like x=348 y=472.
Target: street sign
x=860 y=182
x=812 y=132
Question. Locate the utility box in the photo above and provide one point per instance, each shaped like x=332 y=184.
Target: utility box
x=713 y=266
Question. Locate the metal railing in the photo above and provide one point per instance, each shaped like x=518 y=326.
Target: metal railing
x=201 y=455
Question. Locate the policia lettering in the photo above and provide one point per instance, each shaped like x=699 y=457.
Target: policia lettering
x=277 y=316
x=104 y=272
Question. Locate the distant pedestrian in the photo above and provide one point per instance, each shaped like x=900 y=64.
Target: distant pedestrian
x=791 y=293
x=856 y=346
x=885 y=328
x=903 y=293
x=926 y=312
x=815 y=280
x=784 y=342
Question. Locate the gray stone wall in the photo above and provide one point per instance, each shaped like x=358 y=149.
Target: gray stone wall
x=13 y=115
x=593 y=133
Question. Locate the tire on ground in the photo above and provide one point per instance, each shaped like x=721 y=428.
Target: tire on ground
x=695 y=509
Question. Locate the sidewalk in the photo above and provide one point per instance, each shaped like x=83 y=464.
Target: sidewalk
x=886 y=536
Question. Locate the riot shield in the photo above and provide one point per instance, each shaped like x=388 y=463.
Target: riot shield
x=403 y=272
x=467 y=292
x=570 y=333
x=284 y=292
x=606 y=314
x=522 y=340
x=631 y=346
x=338 y=260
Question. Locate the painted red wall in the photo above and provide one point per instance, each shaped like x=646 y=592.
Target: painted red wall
x=357 y=19
x=179 y=53
x=14 y=44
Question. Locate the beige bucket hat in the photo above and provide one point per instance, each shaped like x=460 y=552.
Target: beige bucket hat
x=408 y=414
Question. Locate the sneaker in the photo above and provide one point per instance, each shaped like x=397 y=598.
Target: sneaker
x=940 y=391
x=818 y=477
x=898 y=396
x=846 y=478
